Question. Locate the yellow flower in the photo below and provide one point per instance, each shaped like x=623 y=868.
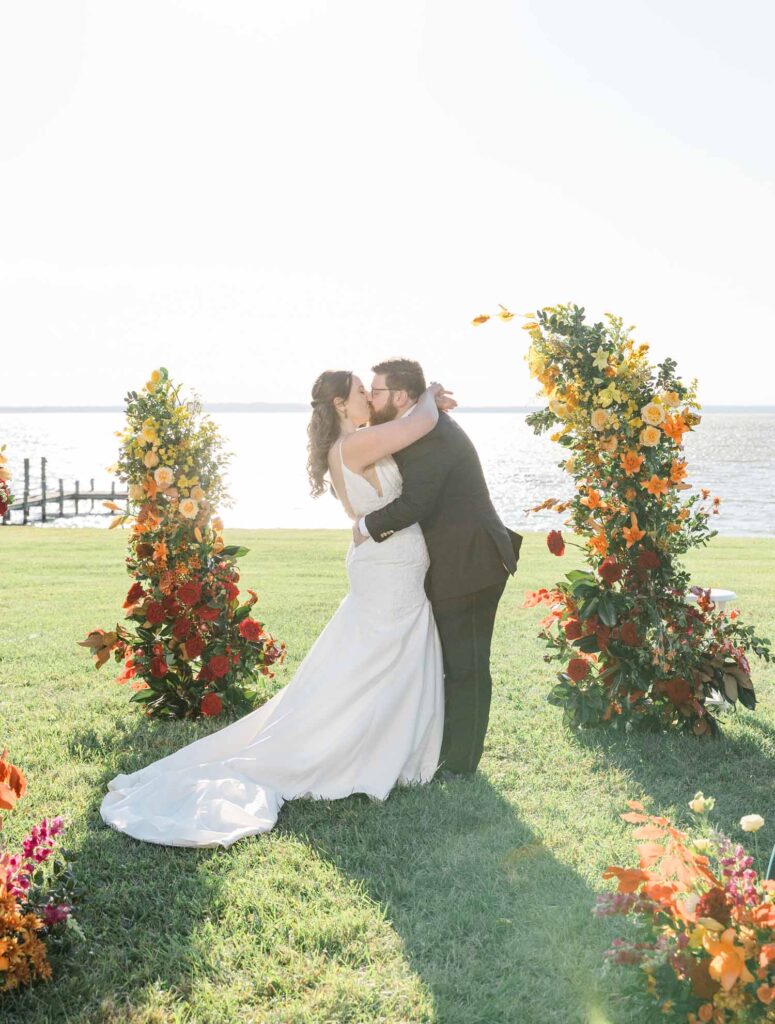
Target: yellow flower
x=700 y=804
x=217 y=524
x=670 y=398
x=164 y=477
x=650 y=437
x=136 y=492
x=155 y=376
x=558 y=408
x=600 y=419
x=652 y=414
x=189 y=508
x=600 y=360
x=197 y=493
x=751 y=822
x=151 y=459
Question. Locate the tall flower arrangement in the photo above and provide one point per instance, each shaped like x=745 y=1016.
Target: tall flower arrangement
x=6 y=497
x=631 y=648
x=36 y=889
x=192 y=646
x=705 y=920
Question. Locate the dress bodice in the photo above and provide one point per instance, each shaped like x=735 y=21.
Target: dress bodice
x=362 y=496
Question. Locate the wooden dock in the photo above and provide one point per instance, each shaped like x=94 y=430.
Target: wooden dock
x=67 y=502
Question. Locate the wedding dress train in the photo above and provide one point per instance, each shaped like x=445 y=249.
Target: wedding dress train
x=363 y=713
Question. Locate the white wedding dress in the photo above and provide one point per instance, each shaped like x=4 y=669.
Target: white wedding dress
x=363 y=713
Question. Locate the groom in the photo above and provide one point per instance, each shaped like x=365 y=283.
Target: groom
x=471 y=553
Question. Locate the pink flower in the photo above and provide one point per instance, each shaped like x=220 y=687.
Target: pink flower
x=55 y=913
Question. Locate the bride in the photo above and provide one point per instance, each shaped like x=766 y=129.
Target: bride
x=364 y=711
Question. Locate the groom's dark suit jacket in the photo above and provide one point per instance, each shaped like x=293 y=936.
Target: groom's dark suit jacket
x=444 y=490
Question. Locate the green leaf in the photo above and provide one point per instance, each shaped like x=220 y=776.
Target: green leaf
x=606 y=609
x=233 y=551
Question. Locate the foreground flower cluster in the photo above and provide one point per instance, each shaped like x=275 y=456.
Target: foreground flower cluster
x=632 y=649
x=193 y=648
x=706 y=920
x=36 y=890
x=6 y=498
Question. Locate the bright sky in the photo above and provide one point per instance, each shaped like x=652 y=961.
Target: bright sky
x=249 y=192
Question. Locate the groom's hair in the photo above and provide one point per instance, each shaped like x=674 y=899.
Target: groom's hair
x=403 y=375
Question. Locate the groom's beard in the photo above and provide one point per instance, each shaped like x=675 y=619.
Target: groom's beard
x=384 y=415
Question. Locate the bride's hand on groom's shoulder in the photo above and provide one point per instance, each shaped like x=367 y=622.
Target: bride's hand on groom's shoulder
x=445 y=401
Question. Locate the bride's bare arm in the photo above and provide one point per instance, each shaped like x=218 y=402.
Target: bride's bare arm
x=364 y=447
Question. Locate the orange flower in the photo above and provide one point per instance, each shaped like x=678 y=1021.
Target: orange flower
x=13 y=784
x=630 y=879
x=677 y=471
x=631 y=494
x=632 y=534
x=675 y=428
x=728 y=963
x=656 y=485
x=765 y=994
x=631 y=462
x=599 y=542
x=481 y=319
x=160 y=552
x=593 y=499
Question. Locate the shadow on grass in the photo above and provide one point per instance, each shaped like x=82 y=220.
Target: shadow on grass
x=496 y=927
x=736 y=769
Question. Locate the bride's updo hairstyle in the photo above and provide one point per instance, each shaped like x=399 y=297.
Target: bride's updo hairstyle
x=324 y=428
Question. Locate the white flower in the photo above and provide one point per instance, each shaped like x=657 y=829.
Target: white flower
x=751 y=822
x=702 y=845
x=690 y=901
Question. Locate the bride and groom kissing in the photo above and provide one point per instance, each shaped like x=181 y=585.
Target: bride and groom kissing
x=396 y=689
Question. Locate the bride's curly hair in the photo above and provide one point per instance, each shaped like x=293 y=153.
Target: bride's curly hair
x=323 y=428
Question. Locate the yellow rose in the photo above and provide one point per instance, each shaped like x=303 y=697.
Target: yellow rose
x=701 y=846
x=197 y=493
x=217 y=524
x=600 y=419
x=558 y=408
x=149 y=435
x=189 y=508
x=155 y=377
x=151 y=459
x=150 y=387
x=670 y=398
x=650 y=437
x=164 y=477
x=652 y=414
x=136 y=492
x=751 y=822
x=610 y=445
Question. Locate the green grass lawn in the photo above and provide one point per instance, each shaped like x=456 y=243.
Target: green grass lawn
x=459 y=903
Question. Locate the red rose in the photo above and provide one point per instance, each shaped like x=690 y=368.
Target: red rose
x=232 y=592
x=211 y=705
x=182 y=629
x=678 y=691
x=603 y=634
x=171 y=606
x=154 y=613
x=135 y=593
x=189 y=593
x=194 y=647
x=159 y=668
x=610 y=570
x=555 y=543
x=572 y=629
x=577 y=669
x=648 y=560
x=628 y=634
x=207 y=614
x=218 y=666
x=3 y=507
x=249 y=629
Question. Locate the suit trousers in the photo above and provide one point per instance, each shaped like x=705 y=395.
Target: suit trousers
x=465 y=626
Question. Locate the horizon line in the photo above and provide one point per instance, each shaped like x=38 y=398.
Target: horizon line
x=303 y=407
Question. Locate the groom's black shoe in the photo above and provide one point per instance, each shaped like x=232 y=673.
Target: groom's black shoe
x=444 y=775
